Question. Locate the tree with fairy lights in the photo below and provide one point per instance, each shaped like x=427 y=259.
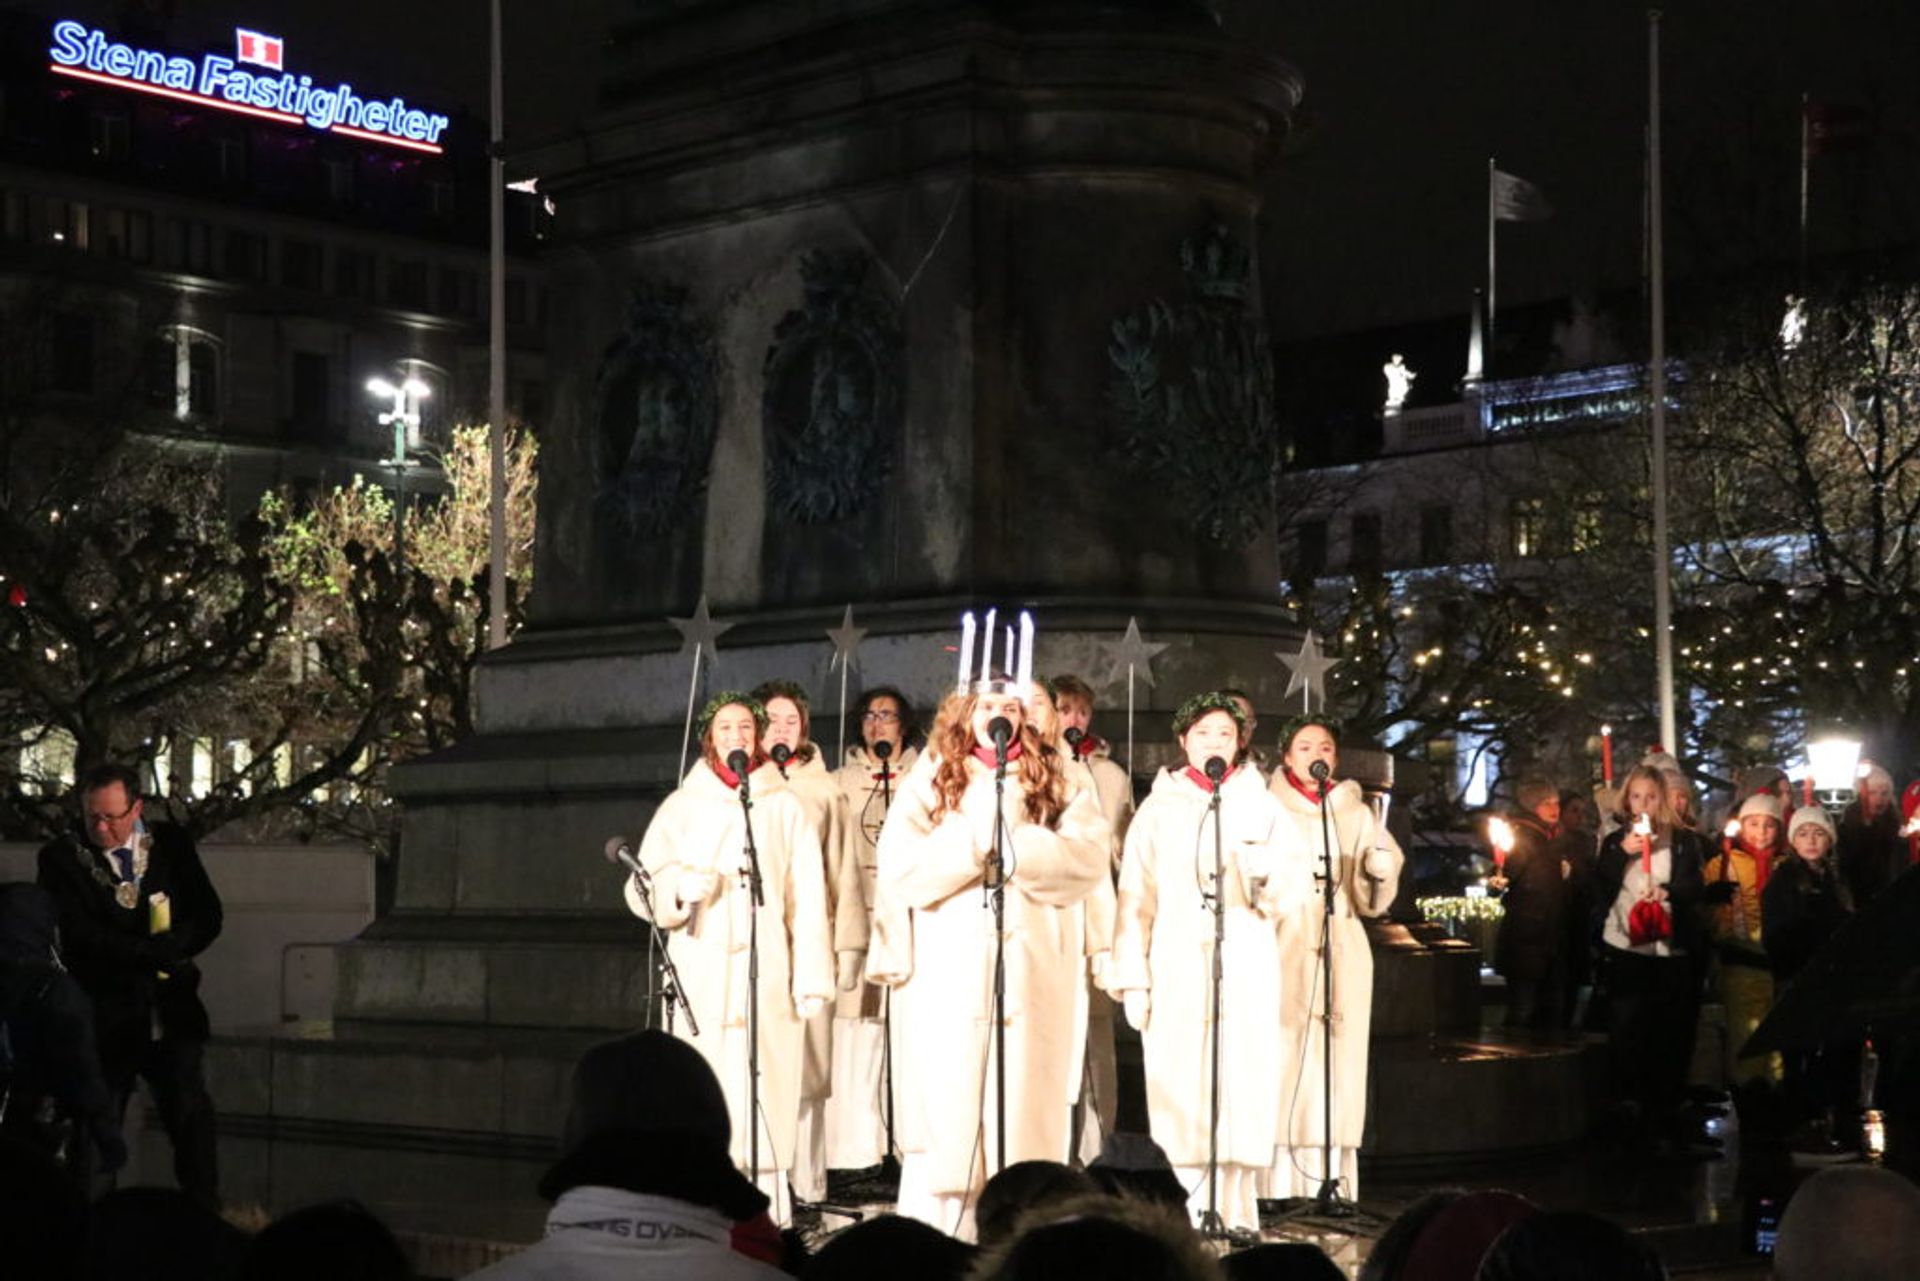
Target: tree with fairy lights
x=1797 y=497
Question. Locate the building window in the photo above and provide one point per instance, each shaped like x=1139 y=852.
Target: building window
x=1527 y=527
x=70 y=363
x=1589 y=516
x=110 y=232
x=407 y=284
x=66 y=222
x=230 y=160
x=300 y=264
x=339 y=181
x=191 y=245
x=311 y=391
x=139 y=236
x=459 y=293
x=245 y=256
x=1310 y=549
x=1436 y=534
x=353 y=272
x=183 y=373
x=1363 y=549
x=107 y=135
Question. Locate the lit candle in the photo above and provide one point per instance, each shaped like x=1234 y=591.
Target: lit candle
x=966 y=649
x=1500 y=833
x=1024 y=671
x=1606 y=754
x=1643 y=826
x=986 y=647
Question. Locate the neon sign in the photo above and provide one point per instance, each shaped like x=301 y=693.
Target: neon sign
x=84 y=53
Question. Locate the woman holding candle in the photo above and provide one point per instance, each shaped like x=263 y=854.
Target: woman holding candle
x=1163 y=959
x=1366 y=863
x=1649 y=891
x=701 y=877
x=943 y=843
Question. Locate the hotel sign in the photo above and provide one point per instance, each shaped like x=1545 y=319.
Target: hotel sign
x=262 y=87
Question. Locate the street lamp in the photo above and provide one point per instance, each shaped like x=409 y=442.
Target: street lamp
x=1833 y=764
x=404 y=418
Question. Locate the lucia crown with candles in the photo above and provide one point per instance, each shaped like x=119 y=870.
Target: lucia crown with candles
x=1018 y=656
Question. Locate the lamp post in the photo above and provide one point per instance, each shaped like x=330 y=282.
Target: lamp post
x=1833 y=763
x=404 y=418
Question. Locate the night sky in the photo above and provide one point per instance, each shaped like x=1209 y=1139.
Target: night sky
x=1377 y=215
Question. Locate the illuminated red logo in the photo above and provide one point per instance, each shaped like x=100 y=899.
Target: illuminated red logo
x=262 y=51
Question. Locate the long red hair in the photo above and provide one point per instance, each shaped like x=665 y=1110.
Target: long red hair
x=1038 y=767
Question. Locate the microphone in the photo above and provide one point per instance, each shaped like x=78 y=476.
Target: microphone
x=1216 y=769
x=780 y=752
x=1000 y=729
x=737 y=762
x=883 y=749
x=618 y=851
x=1320 y=772
x=1073 y=735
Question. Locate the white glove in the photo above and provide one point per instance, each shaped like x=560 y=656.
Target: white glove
x=1136 y=1004
x=850 y=964
x=695 y=887
x=1379 y=864
x=808 y=1006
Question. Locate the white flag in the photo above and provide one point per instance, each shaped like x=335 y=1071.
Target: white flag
x=1517 y=200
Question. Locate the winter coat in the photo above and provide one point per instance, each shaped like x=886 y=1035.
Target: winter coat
x=870 y=793
x=1618 y=880
x=604 y=1234
x=46 y=1021
x=699 y=827
x=1164 y=947
x=1578 y=849
x=1803 y=905
x=1358 y=840
x=940 y=961
x=1113 y=787
x=1871 y=854
x=1736 y=927
x=133 y=976
x=1533 y=920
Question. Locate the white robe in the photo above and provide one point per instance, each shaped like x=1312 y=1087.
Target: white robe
x=700 y=827
x=826 y=810
x=1164 y=947
x=1357 y=894
x=1096 y=1088
x=940 y=960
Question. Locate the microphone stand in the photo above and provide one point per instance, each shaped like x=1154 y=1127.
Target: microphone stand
x=1327 y=1201
x=886 y=994
x=753 y=982
x=672 y=993
x=1211 y=1224
x=996 y=890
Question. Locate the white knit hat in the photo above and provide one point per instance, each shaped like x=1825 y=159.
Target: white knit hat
x=1815 y=816
x=1761 y=803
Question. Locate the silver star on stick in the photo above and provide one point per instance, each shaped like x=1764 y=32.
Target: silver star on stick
x=700 y=631
x=1307 y=672
x=1131 y=651
x=846 y=639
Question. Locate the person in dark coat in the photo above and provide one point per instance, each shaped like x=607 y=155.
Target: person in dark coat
x=1531 y=949
x=47 y=1049
x=135 y=907
x=1806 y=901
x=1872 y=850
x=1579 y=848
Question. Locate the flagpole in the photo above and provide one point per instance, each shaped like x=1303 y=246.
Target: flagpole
x=497 y=357
x=1806 y=146
x=1492 y=222
x=1657 y=317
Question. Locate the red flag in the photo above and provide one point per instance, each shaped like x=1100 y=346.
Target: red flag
x=1835 y=126
x=261 y=50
